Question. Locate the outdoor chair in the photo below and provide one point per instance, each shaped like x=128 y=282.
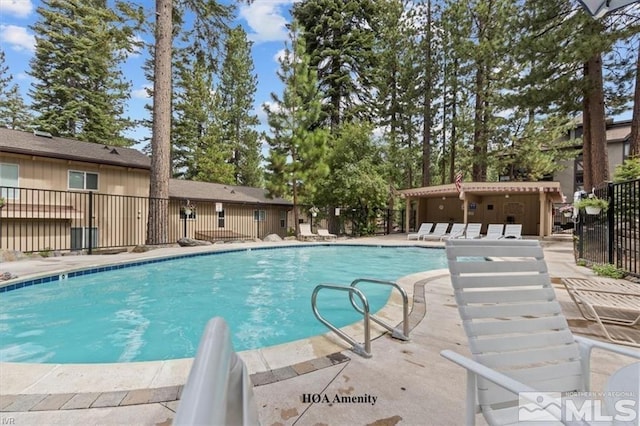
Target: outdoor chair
x=305 y=231
x=424 y=229
x=457 y=231
x=606 y=302
x=438 y=232
x=324 y=233
x=472 y=231
x=494 y=231
x=513 y=231
x=517 y=334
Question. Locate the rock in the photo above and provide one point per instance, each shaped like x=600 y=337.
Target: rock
x=4 y=276
x=140 y=249
x=272 y=238
x=11 y=255
x=190 y=242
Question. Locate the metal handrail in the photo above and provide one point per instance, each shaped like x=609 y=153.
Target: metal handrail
x=356 y=347
x=395 y=333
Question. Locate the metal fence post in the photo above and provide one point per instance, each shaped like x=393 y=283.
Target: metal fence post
x=611 y=223
x=90 y=222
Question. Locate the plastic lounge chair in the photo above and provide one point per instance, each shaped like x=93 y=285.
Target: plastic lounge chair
x=324 y=233
x=513 y=231
x=305 y=231
x=438 y=232
x=494 y=231
x=606 y=302
x=517 y=334
x=425 y=228
x=457 y=231
x=472 y=231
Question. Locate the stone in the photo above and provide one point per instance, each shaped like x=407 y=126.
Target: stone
x=271 y=238
x=190 y=242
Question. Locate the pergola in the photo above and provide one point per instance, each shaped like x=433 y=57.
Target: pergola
x=487 y=202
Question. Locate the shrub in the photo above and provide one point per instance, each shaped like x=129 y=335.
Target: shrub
x=608 y=270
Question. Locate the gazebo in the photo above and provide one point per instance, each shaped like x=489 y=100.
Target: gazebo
x=527 y=203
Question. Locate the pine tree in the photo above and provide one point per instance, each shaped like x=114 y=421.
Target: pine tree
x=199 y=152
x=296 y=160
x=79 y=90
x=339 y=36
x=236 y=122
x=14 y=114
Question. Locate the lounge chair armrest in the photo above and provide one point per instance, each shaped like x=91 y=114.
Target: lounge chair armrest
x=490 y=374
x=588 y=344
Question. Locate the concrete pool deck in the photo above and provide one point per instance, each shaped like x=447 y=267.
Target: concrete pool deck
x=403 y=383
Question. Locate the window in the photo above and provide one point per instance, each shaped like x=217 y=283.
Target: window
x=283 y=218
x=80 y=238
x=221 y=219
x=83 y=180
x=259 y=215
x=9 y=177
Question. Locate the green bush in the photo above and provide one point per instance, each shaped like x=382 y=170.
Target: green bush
x=608 y=270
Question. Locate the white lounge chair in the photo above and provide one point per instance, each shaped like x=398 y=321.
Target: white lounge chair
x=456 y=231
x=513 y=231
x=438 y=232
x=494 y=231
x=305 y=231
x=324 y=233
x=472 y=231
x=521 y=346
x=424 y=229
x=607 y=302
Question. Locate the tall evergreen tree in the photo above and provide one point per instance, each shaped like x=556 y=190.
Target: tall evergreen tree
x=79 y=90
x=296 y=160
x=14 y=114
x=339 y=36
x=236 y=121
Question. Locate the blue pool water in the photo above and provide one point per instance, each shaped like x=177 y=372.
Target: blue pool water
x=158 y=311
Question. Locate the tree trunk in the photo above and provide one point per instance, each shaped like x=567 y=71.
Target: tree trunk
x=597 y=125
x=426 y=119
x=161 y=129
x=587 y=176
x=479 y=133
x=634 y=140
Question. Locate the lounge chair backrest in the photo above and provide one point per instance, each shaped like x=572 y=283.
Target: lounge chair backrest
x=440 y=229
x=495 y=229
x=473 y=230
x=305 y=229
x=513 y=321
x=425 y=228
x=457 y=229
x=513 y=230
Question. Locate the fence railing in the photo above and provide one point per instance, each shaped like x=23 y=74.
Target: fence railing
x=613 y=236
x=37 y=220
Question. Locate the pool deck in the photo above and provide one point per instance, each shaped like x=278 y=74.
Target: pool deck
x=403 y=383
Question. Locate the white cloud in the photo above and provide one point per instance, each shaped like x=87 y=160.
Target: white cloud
x=266 y=19
x=19 y=8
x=17 y=37
x=142 y=93
x=279 y=56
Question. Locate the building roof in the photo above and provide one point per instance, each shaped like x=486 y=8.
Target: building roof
x=485 y=188
x=28 y=143
x=207 y=191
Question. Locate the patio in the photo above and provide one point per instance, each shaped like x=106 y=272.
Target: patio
x=403 y=383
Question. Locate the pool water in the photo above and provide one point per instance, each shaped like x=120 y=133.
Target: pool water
x=158 y=311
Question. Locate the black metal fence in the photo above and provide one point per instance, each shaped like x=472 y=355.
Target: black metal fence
x=612 y=237
x=37 y=220
x=356 y=222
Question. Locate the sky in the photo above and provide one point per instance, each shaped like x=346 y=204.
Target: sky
x=263 y=20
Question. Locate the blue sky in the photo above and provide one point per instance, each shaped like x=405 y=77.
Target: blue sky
x=264 y=21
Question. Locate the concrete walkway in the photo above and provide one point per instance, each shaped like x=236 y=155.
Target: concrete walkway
x=405 y=383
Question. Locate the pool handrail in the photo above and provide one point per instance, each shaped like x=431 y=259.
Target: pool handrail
x=218 y=389
x=364 y=351
x=395 y=333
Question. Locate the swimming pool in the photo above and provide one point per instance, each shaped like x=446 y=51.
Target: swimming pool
x=158 y=311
